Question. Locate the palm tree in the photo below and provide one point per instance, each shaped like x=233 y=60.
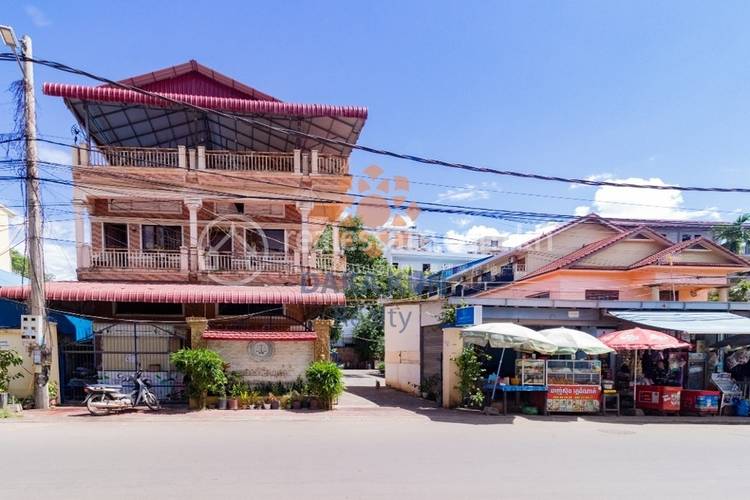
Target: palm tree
x=733 y=236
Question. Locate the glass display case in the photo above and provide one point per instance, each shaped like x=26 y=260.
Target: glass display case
x=530 y=371
x=574 y=372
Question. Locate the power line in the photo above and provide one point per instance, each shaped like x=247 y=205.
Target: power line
x=383 y=152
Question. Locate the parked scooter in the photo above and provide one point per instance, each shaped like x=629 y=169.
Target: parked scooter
x=102 y=398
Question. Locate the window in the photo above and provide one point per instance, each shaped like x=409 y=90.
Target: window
x=115 y=236
x=686 y=237
x=426 y=268
x=267 y=240
x=541 y=295
x=147 y=309
x=220 y=239
x=669 y=295
x=494 y=243
x=161 y=237
x=245 y=309
x=602 y=295
x=395 y=265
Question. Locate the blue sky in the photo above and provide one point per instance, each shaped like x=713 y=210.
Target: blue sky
x=629 y=90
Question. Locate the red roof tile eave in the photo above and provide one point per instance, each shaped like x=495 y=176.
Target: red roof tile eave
x=249 y=106
x=252 y=335
x=75 y=291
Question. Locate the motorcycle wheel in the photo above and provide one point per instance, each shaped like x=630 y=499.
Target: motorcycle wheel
x=151 y=401
x=98 y=398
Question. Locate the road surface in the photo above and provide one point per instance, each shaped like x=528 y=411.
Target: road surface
x=367 y=449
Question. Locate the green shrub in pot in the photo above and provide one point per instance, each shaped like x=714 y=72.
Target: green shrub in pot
x=204 y=371
x=324 y=382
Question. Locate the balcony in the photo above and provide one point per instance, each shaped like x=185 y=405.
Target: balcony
x=295 y=162
x=257 y=262
x=140 y=259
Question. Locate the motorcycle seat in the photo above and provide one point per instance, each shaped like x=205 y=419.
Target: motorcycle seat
x=104 y=387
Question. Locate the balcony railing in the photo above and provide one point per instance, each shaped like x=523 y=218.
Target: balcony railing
x=137 y=259
x=294 y=162
x=251 y=161
x=133 y=157
x=269 y=262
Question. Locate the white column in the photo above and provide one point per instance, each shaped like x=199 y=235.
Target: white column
x=314 y=161
x=201 y=157
x=193 y=205
x=83 y=256
x=304 y=210
x=297 y=161
x=724 y=294
x=181 y=157
x=655 y=293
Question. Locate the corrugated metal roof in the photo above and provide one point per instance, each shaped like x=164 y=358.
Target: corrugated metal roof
x=688 y=322
x=259 y=335
x=177 y=293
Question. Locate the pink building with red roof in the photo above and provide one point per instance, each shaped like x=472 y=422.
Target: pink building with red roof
x=200 y=200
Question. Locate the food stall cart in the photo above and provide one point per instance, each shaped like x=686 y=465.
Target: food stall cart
x=699 y=402
x=573 y=386
x=530 y=371
x=659 y=398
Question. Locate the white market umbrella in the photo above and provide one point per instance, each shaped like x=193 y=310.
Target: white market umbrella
x=504 y=336
x=571 y=341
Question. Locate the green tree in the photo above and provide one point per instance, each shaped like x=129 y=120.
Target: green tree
x=371 y=280
x=733 y=236
x=19 y=263
x=8 y=358
x=325 y=381
x=204 y=372
x=740 y=292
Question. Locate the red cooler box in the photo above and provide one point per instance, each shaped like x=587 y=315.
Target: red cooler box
x=659 y=398
x=701 y=402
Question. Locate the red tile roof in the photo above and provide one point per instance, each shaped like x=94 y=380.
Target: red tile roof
x=233 y=105
x=259 y=335
x=76 y=291
x=679 y=247
x=592 y=248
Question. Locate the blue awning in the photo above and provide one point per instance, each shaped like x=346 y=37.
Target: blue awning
x=67 y=324
x=707 y=323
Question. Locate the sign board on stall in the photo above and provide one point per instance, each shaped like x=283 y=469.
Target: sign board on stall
x=469 y=315
x=573 y=398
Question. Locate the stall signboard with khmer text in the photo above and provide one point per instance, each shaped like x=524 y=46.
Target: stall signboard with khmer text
x=573 y=398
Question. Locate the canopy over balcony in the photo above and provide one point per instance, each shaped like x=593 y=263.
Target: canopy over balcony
x=113 y=116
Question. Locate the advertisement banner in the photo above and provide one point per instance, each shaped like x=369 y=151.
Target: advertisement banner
x=573 y=398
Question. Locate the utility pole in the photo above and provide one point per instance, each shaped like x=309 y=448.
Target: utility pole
x=36 y=301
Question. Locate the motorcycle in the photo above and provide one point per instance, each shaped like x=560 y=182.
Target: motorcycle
x=102 y=398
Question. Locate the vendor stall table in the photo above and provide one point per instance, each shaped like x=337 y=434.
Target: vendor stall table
x=700 y=402
x=518 y=389
x=659 y=398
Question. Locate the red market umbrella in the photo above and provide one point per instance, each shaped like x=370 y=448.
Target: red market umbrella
x=640 y=338
x=636 y=339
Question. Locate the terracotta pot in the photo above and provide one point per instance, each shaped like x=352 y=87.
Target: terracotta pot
x=233 y=404
x=296 y=405
x=275 y=404
x=314 y=404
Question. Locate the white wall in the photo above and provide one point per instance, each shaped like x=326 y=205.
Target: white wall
x=402 y=349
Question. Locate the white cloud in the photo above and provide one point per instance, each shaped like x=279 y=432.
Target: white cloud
x=37 y=16
x=54 y=154
x=515 y=239
x=461 y=221
x=469 y=192
x=457 y=241
x=637 y=203
x=604 y=176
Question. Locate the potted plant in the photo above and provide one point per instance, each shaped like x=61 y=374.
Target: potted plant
x=296 y=400
x=325 y=383
x=8 y=359
x=235 y=393
x=222 y=402
x=204 y=371
x=314 y=403
x=285 y=401
x=52 y=390
x=273 y=401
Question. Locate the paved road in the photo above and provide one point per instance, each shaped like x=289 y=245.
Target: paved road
x=366 y=449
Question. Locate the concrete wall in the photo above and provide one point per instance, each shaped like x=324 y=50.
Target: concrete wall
x=289 y=360
x=24 y=387
x=402 y=346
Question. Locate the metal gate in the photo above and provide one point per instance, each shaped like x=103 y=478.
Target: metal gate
x=114 y=352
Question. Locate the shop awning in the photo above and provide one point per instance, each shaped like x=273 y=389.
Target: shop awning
x=168 y=293
x=259 y=335
x=688 y=322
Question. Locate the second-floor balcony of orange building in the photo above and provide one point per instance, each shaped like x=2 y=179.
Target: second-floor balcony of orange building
x=209 y=261
x=295 y=162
